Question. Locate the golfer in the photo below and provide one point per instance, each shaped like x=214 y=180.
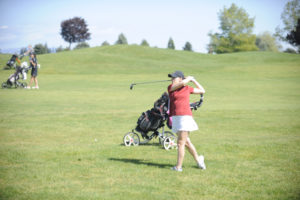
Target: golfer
x=34 y=71
x=182 y=119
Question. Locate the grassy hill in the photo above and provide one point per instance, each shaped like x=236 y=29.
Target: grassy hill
x=64 y=141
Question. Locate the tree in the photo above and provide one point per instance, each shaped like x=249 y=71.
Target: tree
x=266 y=42
x=187 y=47
x=74 y=30
x=289 y=17
x=236 y=35
x=171 y=44
x=144 y=43
x=121 y=39
x=105 y=43
x=41 y=49
x=294 y=36
x=82 y=45
x=61 y=48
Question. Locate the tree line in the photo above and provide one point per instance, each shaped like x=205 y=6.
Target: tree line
x=236 y=33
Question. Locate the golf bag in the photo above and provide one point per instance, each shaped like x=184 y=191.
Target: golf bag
x=13 y=79
x=153 y=119
x=12 y=62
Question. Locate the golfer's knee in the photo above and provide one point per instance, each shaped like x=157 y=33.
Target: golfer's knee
x=181 y=143
x=187 y=145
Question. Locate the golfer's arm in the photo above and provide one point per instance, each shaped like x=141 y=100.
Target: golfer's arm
x=199 y=89
x=26 y=53
x=32 y=63
x=179 y=85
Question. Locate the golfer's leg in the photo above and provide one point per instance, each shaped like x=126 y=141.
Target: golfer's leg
x=31 y=79
x=36 y=82
x=182 y=136
x=191 y=149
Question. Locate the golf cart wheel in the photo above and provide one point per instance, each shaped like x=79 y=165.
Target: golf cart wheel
x=23 y=85
x=131 y=138
x=170 y=143
x=4 y=85
x=166 y=134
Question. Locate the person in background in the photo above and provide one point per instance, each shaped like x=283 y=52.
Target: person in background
x=34 y=71
x=29 y=51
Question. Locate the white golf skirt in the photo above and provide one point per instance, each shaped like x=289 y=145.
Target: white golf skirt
x=183 y=123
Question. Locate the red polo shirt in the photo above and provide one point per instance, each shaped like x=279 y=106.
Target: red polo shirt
x=180 y=101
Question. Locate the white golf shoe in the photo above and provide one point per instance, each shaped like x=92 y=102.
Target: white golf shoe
x=176 y=169
x=201 y=163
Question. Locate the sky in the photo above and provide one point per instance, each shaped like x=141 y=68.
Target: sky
x=38 y=21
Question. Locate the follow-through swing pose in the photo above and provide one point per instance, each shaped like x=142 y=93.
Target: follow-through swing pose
x=182 y=119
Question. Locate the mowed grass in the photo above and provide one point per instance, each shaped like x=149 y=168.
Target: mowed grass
x=64 y=141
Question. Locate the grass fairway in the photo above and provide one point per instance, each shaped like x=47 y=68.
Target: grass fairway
x=249 y=127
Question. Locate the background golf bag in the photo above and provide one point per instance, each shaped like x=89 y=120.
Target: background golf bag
x=12 y=62
x=153 y=119
x=13 y=79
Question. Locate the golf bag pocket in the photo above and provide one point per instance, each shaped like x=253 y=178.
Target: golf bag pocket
x=148 y=121
x=143 y=123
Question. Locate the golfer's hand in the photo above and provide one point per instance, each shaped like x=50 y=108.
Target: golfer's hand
x=189 y=78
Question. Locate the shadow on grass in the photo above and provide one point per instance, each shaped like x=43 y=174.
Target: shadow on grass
x=141 y=162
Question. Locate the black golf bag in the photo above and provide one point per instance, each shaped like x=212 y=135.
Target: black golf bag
x=11 y=63
x=153 y=119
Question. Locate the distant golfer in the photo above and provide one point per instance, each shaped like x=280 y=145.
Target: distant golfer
x=29 y=51
x=34 y=71
x=182 y=119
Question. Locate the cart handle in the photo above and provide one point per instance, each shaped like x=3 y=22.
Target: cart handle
x=197 y=104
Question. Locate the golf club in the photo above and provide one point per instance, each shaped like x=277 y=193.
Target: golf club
x=149 y=82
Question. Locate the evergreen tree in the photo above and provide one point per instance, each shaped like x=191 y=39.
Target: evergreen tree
x=41 y=49
x=144 y=43
x=105 y=43
x=171 y=44
x=187 y=47
x=121 y=39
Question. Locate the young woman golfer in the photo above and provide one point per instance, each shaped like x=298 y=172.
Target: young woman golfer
x=182 y=119
x=34 y=71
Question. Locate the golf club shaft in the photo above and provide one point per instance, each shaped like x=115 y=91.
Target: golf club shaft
x=151 y=82
x=148 y=82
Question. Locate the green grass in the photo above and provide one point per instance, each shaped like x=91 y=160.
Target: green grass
x=249 y=127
